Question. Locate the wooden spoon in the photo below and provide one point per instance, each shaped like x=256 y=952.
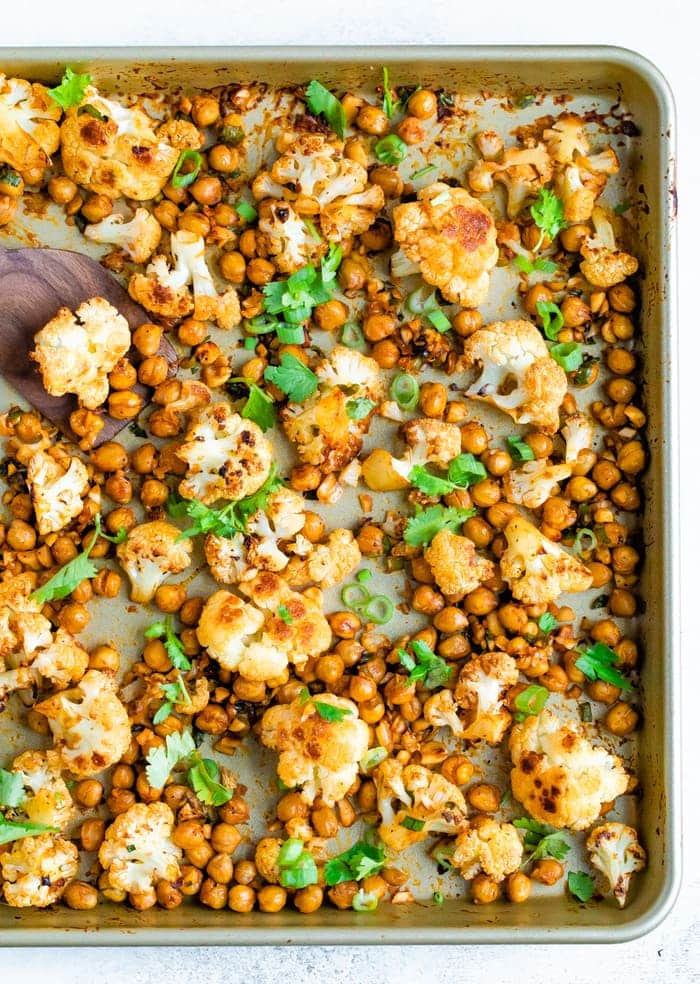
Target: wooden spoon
x=34 y=284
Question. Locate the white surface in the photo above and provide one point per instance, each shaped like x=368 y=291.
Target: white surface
x=666 y=33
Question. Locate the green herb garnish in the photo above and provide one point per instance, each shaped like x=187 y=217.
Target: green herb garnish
x=202 y=774
x=552 y=319
x=388 y=104
x=547 y=212
x=295 y=379
x=359 y=408
x=71 y=91
x=179 y=180
x=568 y=355
x=519 y=450
x=598 y=663
x=390 y=149
x=329 y=712
x=423 y=171
x=427 y=668
x=422 y=527
x=542 y=841
x=81 y=568
x=11 y=788
x=284 y=613
x=171 y=641
x=541 y=263
x=580 y=885
x=297 y=866
x=546 y=623
x=412 y=823
x=11 y=830
x=530 y=701
x=358 y=862
x=246 y=211
x=259 y=407
x=321 y=102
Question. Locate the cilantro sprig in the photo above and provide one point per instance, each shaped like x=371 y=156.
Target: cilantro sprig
x=581 y=885
x=171 y=641
x=174 y=693
x=321 y=102
x=202 y=773
x=541 y=264
x=547 y=212
x=71 y=91
x=11 y=788
x=358 y=862
x=359 y=408
x=295 y=379
x=12 y=830
x=427 y=523
x=329 y=712
x=259 y=407
x=81 y=568
x=598 y=663
x=542 y=841
x=427 y=667
x=229 y=519
x=389 y=104
x=462 y=471
x=297 y=296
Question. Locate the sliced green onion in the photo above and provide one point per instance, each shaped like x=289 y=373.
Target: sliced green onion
x=531 y=701
x=390 y=150
x=439 y=321
x=546 y=622
x=261 y=324
x=379 y=609
x=421 y=301
x=364 y=901
x=568 y=355
x=249 y=343
x=585 y=541
x=354 y=596
x=438 y=898
x=302 y=874
x=421 y=173
x=352 y=336
x=290 y=334
x=246 y=211
x=552 y=319
x=585 y=712
x=519 y=450
x=185 y=180
x=405 y=390
x=313 y=231
x=411 y=823
x=363 y=576
x=374 y=757
x=290 y=852
x=466 y=470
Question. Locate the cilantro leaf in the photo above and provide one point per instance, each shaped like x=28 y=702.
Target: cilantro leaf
x=422 y=527
x=428 y=667
x=229 y=519
x=171 y=641
x=68 y=577
x=163 y=712
x=359 y=408
x=547 y=212
x=542 y=841
x=598 y=663
x=203 y=777
x=358 y=862
x=71 y=91
x=541 y=263
x=388 y=104
x=295 y=379
x=581 y=885
x=162 y=760
x=423 y=480
x=552 y=319
x=11 y=830
x=259 y=407
x=329 y=712
x=11 y=788
x=321 y=102
x=244 y=508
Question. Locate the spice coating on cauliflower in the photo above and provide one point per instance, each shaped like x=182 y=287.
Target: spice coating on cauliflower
x=455 y=564
x=429 y=803
x=227 y=457
x=480 y=690
x=558 y=776
x=603 y=263
x=36 y=870
x=285 y=238
x=22 y=626
x=138 y=238
x=63 y=661
x=319 y=755
x=537 y=570
x=137 y=851
x=452 y=238
x=49 y=799
x=518 y=375
x=323 y=432
x=328 y=563
x=56 y=492
x=149 y=554
x=89 y=724
x=77 y=352
x=29 y=132
x=534 y=483
x=492 y=847
x=614 y=849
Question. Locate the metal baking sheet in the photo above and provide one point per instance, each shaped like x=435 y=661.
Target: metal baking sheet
x=597 y=79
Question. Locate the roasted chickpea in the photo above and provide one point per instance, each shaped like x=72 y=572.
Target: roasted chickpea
x=124 y=404
x=484 y=797
x=89 y=792
x=120 y=800
x=427 y=601
x=20 y=535
x=621 y=719
x=330 y=315
x=422 y=104
x=451 y=619
x=205 y=110
x=342 y=895
x=123 y=376
x=370 y=540
x=92 y=833
x=62 y=190
x=97 y=207
x=167 y=895
x=388 y=179
x=79 y=895
x=575 y=311
x=241 y=898
x=547 y=871
x=223 y=159
x=622 y=603
x=484 y=889
x=378 y=236
x=378 y=326
x=386 y=354
x=212 y=894
x=74 y=617
x=486 y=493
x=537 y=294
x=478 y=530
x=372 y=120
x=433 y=399
x=154 y=493
x=272 y=898
x=497 y=462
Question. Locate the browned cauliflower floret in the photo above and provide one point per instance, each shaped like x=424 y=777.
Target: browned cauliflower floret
x=518 y=375
x=320 y=755
x=138 y=238
x=286 y=238
x=603 y=263
x=137 y=851
x=23 y=629
x=521 y=171
x=537 y=570
x=176 y=397
x=48 y=799
x=89 y=723
x=455 y=564
x=63 y=661
x=253 y=639
x=118 y=152
x=451 y=238
x=149 y=554
x=77 y=352
x=327 y=563
x=321 y=429
x=614 y=849
x=29 y=132
x=558 y=776
x=534 y=482
x=227 y=456
x=481 y=690
x=492 y=847
x=36 y=870
x=427 y=803
x=56 y=492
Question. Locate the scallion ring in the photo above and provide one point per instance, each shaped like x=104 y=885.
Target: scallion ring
x=290 y=852
x=352 y=336
x=373 y=758
x=185 y=180
x=378 y=609
x=405 y=390
x=585 y=541
x=439 y=320
x=290 y=334
x=421 y=301
x=568 y=355
x=355 y=596
x=390 y=150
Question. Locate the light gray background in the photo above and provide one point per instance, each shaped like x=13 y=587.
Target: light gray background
x=666 y=32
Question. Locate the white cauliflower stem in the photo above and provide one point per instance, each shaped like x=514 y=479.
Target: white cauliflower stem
x=56 y=492
x=36 y=870
x=614 y=849
x=48 y=800
x=149 y=554
x=137 y=851
x=139 y=237
x=536 y=569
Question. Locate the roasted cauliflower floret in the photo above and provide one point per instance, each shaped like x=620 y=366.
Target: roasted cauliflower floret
x=138 y=238
x=566 y=138
x=63 y=661
x=521 y=171
x=284 y=237
x=117 y=153
x=603 y=263
x=429 y=441
x=614 y=849
x=227 y=558
x=321 y=429
x=441 y=711
x=137 y=851
x=518 y=375
x=36 y=870
x=578 y=433
x=89 y=724
x=149 y=554
x=48 y=800
x=428 y=801
x=29 y=132
x=227 y=457
x=77 y=352
x=328 y=563
x=320 y=755
x=481 y=690
x=492 y=847
x=558 y=776
x=534 y=482
x=455 y=564
x=451 y=238
x=56 y=492
x=537 y=570
x=23 y=629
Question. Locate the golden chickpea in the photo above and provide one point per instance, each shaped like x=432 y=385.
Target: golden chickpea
x=111 y=456
x=370 y=540
x=410 y=130
x=537 y=294
x=372 y=120
x=92 y=833
x=581 y=489
x=213 y=719
x=626 y=496
x=573 y=236
x=540 y=444
x=194 y=222
x=622 y=603
x=378 y=326
x=62 y=190
x=89 y=792
x=305 y=478
x=74 y=617
x=232 y=267
x=433 y=399
x=484 y=797
x=20 y=535
x=205 y=110
x=223 y=159
x=486 y=493
x=330 y=668
x=345 y=625
x=352 y=274
x=118 y=518
x=325 y=821
x=213 y=895
x=474 y=438
x=188 y=834
x=167 y=895
x=234 y=812
x=377 y=237
x=241 y=898
x=342 y=895
x=191 y=879
x=481 y=601
x=621 y=326
x=190 y=611
x=154 y=493
x=97 y=207
x=309 y=899
x=575 y=311
x=620 y=361
x=220 y=869
x=427 y=601
x=147 y=339
x=457 y=769
x=484 y=890
x=620 y=389
x=123 y=777
x=167 y=214
x=497 y=462
x=260 y=271
x=621 y=298
x=605 y=474
x=621 y=719
x=245 y=872
x=478 y=530
x=170 y=597
x=631 y=458
x=547 y=871
x=124 y=404
x=422 y=104
x=120 y=800
x=331 y=315
x=518 y=887
x=272 y=898
x=373 y=710
x=450 y=619
x=79 y=895
x=123 y=376
x=361 y=688
x=153 y=371
x=388 y=179
x=386 y=354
